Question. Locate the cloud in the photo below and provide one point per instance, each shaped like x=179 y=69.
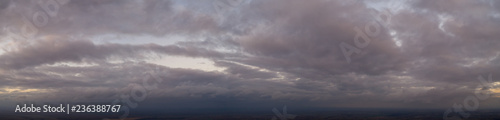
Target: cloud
x=153 y=17
x=54 y=50
x=4 y=4
x=428 y=56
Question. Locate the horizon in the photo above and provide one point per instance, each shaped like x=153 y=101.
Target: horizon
x=255 y=56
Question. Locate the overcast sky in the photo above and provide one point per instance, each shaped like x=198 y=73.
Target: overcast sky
x=255 y=53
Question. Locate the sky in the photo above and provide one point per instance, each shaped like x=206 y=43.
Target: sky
x=173 y=54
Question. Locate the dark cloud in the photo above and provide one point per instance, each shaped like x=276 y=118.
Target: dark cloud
x=54 y=50
x=429 y=55
x=4 y=4
x=96 y=17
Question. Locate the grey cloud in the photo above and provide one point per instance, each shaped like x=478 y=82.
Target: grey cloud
x=245 y=72
x=296 y=42
x=305 y=35
x=177 y=83
x=442 y=55
x=50 y=51
x=4 y=4
x=303 y=38
x=95 y=17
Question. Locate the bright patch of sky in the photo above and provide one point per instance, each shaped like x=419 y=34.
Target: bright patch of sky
x=73 y=64
x=443 y=19
x=18 y=90
x=138 y=39
x=168 y=61
x=187 y=63
x=393 y=5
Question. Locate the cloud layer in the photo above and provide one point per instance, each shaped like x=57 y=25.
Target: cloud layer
x=429 y=55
